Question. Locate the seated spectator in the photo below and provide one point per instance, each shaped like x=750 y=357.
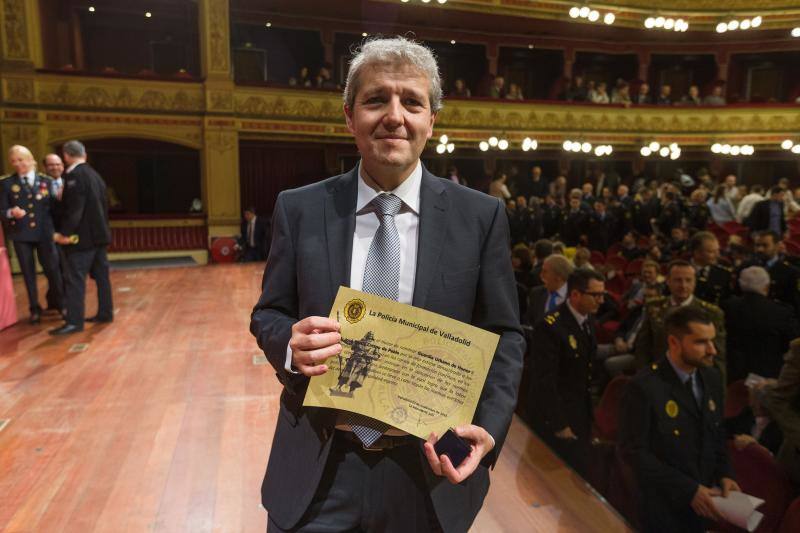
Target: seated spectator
x=498 y=188
x=623 y=95
x=323 y=79
x=582 y=258
x=782 y=402
x=303 y=78
x=693 y=97
x=664 y=95
x=514 y=92
x=654 y=253
x=253 y=241
x=650 y=276
x=716 y=97
x=628 y=248
x=498 y=87
x=460 y=89
x=721 y=207
x=558 y=187
x=759 y=329
x=521 y=262
x=599 y=96
x=576 y=91
x=643 y=95
x=618 y=357
x=736 y=252
x=748 y=202
x=753 y=424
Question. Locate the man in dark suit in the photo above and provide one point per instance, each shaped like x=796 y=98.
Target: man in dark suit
x=767 y=215
x=449 y=251
x=54 y=168
x=26 y=205
x=784 y=277
x=254 y=237
x=782 y=403
x=85 y=234
x=565 y=347
x=599 y=227
x=759 y=329
x=671 y=430
x=545 y=298
x=714 y=282
x=574 y=220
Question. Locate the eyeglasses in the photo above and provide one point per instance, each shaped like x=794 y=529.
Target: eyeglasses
x=596 y=295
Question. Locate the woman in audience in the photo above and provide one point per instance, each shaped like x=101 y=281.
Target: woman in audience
x=622 y=95
x=721 y=208
x=460 y=89
x=600 y=96
x=498 y=188
x=514 y=92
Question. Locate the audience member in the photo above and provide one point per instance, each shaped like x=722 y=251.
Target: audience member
x=716 y=97
x=643 y=95
x=576 y=91
x=720 y=207
x=253 y=239
x=782 y=402
x=768 y=214
x=599 y=96
x=544 y=299
x=749 y=201
x=514 y=92
x=498 y=89
x=784 y=277
x=692 y=98
x=622 y=95
x=498 y=188
x=460 y=89
x=664 y=95
x=714 y=282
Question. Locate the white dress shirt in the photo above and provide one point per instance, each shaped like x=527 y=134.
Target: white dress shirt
x=367 y=223
x=561 y=295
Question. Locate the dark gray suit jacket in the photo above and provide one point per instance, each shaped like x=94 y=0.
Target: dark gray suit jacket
x=463 y=271
x=537 y=299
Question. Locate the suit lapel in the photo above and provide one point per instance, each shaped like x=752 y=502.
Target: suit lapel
x=678 y=390
x=432 y=229
x=340 y=222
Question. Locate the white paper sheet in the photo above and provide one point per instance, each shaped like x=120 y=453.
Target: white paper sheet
x=740 y=509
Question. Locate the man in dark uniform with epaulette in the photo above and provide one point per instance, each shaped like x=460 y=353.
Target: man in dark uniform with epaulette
x=714 y=282
x=573 y=221
x=671 y=431
x=26 y=203
x=784 y=277
x=651 y=342
x=565 y=346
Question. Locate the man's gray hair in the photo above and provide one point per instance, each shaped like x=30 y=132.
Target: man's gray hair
x=394 y=51
x=74 y=149
x=561 y=266
x=754 y=279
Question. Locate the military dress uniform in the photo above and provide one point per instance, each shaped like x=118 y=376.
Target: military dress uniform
x=651 y=342
x=714 y=283
x=561 y=384
x=34 y=231
x=672 y=436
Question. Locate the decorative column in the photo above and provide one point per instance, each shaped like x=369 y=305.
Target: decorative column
x=21 y=39
x=644 y=65
x=220 y=153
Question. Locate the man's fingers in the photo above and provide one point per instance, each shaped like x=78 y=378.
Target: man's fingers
x=314 y=341
x=322 y=354
x=321 y=323
x=311 y=371
x=430 y=454
x=449 y=471
x=469 y=432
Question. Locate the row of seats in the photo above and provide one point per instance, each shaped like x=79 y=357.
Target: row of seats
x=152 y=239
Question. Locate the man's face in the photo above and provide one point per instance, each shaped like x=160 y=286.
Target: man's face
x=622 y=190
x=248 y=215
x=521 y=202
x=574 y=203
x=681 y=282
x=21 y=163
x=587 y=188
x=644 y=88
x=391 y=118
x=665 y=90
x=53 y=166
x=600 y=208
x=765 y=246
x=649 y=274
x=588 y=302
x=697 y=347
x=499 y=81
x=730 y=180
x=551 y=280
x=694 y=91
x=536 y=173
x=677 y=234
x=708 y=253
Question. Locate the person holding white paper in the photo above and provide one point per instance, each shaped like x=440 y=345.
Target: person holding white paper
x=671 y=430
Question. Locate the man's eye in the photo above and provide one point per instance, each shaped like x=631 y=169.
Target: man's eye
x=413 y=102
x=374 y=100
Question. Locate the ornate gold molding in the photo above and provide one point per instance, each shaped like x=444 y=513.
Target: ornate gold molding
x=15 y=26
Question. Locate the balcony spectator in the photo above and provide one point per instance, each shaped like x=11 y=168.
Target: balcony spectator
x=715 y=98
x=323 y=79
x=514 y=92
x=303 y=78
x=576 y=92
x=665 y=95
x=721 y=207
x=498 y=188
x=643 y=96
x=498 y=88
x=693 y=97
x=599 y=96
x=460 y=89
x=622 y=95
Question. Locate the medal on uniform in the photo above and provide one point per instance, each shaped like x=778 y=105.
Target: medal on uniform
x=672 y=409
x=711 y=405
x=15 y=188
x=573 y=342
x=38 y=196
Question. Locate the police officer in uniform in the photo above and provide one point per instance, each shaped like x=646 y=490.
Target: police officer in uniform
x=561 y=410
x=671 y=431
x=652 y=338
x=26 y=203
x=714 y=282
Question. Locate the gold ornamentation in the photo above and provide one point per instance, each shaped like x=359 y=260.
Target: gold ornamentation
x=114 y=94
x=671 y=408
x=20 y=90
x=221 y=141
x=15 y=29
x=218 y=35
x=354 y=310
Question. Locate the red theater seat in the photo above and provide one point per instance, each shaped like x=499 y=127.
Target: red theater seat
x=606 y=414
x=791 y=519
x=738 y=398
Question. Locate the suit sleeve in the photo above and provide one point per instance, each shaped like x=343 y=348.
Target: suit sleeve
x=780 y=401
x=635 y=427
x=546 y=358
x=496 y=310
x=276 y=311
x=74 y=202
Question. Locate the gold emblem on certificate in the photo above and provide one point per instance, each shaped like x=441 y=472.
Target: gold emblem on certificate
x=672 y=409
x=354 y=310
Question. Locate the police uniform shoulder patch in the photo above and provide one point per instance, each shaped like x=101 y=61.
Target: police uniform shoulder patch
x=551 y=319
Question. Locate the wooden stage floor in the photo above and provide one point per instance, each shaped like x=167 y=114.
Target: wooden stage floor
x=161 y=421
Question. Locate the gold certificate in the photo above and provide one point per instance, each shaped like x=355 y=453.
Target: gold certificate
x=413 y=369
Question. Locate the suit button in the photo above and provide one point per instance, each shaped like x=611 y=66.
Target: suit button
x=32 y=215
x=30 y=206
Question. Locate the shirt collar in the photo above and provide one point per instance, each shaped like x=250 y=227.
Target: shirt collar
x=579 y=318
x=562 y=292
x=73 y=165
x=30 y=175
x=683 y=376
x=408 y=191
x=687 y=301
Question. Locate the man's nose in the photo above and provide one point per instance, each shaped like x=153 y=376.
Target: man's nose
x=394 y=113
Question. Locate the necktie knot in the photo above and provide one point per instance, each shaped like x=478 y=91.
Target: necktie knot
x=387 y=204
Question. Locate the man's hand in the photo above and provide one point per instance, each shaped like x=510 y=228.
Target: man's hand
x=620 y=346
x=314 y=339
x=704 y=506
x=60 y=239
x=17 y=212
x=728 y=485
x=480 y=444
x=742 y=441
x=566 y=433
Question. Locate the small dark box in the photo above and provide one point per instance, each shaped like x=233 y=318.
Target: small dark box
x=454 y=447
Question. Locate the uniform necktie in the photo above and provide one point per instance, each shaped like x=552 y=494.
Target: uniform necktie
x=689 y=384
x=551 y=302
x=587 y=329
x=381 y=277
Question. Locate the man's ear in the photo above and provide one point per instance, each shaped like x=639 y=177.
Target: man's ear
x=348 y=118
x=430 y=126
